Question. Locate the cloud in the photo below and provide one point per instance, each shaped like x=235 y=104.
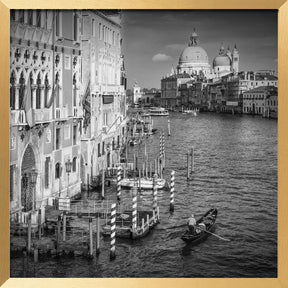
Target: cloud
x=175 y=47
x=160 y=57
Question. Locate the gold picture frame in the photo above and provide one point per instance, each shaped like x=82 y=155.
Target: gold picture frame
x=281 y=280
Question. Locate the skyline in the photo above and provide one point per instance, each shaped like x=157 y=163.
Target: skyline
x=154 y=40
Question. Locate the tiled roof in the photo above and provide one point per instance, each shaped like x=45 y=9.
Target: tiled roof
x=262 y=89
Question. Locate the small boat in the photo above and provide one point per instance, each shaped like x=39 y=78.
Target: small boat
x=133 y=142
x=206 y=222
x=158 y=111
x=193 y=112
x=146 y=183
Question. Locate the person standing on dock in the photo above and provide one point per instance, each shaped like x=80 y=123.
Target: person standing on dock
x=191 y=224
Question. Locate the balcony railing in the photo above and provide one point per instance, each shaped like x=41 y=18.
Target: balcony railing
x=17 y=117
x=43 y=115
x=61 y=113
x=77 y=112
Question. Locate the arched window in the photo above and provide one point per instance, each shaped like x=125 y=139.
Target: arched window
x=74 y=164
x=74 y=91
x=57 y=96
x=46 y=89
x=57 y=170
x=12 y=91
x=21 y=91
x=38 y=92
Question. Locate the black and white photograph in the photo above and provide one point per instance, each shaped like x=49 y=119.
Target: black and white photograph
x=143 y=143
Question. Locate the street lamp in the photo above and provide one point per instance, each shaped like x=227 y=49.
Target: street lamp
x=33 y=180
x=68 y=165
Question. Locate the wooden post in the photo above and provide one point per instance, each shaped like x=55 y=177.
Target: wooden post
x=163 y=151
x=134 y=209
x=143 y=224
x=158 y=165
x=134 y=162
x=118 y=183
x=192 y=159
x=103 y=185
x=88 y=176
x=39 y=223
x=35 y=255
x=169 y=132
x=139 y=186
x=98 y=236
x=154 y=193
x=148 y=221
x=113 y=231
x=58 y=233
x=124 y=170
x=29 y=234
x=64 y=226
x=155 y=167
x=188 y=165
x=172 y=191
x=90 y=238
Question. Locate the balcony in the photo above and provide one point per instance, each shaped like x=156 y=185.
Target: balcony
x=61 y=113
x=77 y=112
x=17 y=117
x=43 y=115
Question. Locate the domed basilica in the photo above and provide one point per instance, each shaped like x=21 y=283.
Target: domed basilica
x=194 y=60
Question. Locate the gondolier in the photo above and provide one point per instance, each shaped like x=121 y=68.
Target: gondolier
x=191 y=224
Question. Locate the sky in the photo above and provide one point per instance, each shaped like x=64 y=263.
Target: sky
x=154 y=39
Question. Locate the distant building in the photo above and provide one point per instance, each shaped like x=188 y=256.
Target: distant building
x=258 y=100
x=137 y=94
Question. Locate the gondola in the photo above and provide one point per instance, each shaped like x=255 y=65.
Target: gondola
x=206 y=222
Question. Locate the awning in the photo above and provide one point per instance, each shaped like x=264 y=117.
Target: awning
x=107 y=99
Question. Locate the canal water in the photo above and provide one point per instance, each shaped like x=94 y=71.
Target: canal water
x=235 y=171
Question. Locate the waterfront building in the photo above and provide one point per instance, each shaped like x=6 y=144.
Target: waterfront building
x=45 y=113
x=189 y=84
x=194 y=59
x=67 y=103
x=226 y=62
x=260 y=100
x=104 y=99
x=137 y=94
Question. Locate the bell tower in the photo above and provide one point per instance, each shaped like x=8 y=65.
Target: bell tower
x=235 y=60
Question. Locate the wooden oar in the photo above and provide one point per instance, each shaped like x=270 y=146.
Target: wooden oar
x=225 y=239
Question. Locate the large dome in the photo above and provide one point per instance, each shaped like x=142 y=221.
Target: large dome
x=193 y=54
x=221 y=60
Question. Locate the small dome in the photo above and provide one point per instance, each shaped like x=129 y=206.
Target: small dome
x=193 y=54
x=221 y=60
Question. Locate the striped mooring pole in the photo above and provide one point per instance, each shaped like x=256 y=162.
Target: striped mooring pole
x=155 y=195
x=163 y=151
x=134 y=209
x=118 y=183
x=113 y=232
x=172 y=190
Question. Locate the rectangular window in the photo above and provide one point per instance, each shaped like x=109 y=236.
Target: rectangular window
x=103 y=148
x=67 y=132
x=100 y=31
x=47 y=172
x=38 y=18
x=99 y=150
x=21 y=16
x=93 y=27
x=57 y=138
x=75 y=27
x=30 y=17
x=57 y=23
x=12 y=181
x=12 y=15
x=74 y=135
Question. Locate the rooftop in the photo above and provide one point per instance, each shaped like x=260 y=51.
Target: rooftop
x=272 y=90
